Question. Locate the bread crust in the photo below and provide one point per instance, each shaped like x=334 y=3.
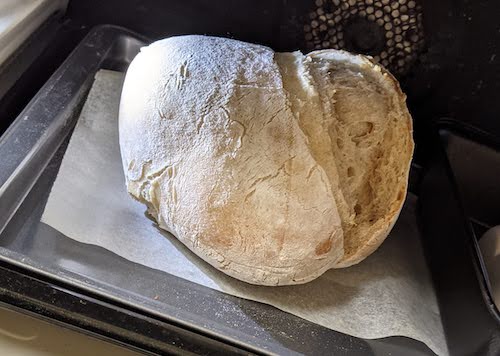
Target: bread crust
x=214 y=144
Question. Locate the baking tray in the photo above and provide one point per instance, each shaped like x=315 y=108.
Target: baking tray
x=43 y=271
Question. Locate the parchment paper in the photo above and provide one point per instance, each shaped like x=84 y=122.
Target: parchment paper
x=390 y=293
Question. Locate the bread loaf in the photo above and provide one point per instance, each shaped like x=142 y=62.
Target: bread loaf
x=272 y=167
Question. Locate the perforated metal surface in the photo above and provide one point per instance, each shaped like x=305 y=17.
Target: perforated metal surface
x=390 y=31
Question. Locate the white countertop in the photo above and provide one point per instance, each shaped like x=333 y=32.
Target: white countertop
x=27 y=336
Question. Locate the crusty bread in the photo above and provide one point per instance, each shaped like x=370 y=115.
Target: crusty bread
x=272 y=167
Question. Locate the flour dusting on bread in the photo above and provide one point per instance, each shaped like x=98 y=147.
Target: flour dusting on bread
x=272 y=167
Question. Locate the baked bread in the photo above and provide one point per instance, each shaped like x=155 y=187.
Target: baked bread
x=272 y=167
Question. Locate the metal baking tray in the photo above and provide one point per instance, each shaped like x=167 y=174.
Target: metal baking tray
x=44 y=272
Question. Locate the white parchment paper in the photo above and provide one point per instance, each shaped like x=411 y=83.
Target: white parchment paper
x=390 y=293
